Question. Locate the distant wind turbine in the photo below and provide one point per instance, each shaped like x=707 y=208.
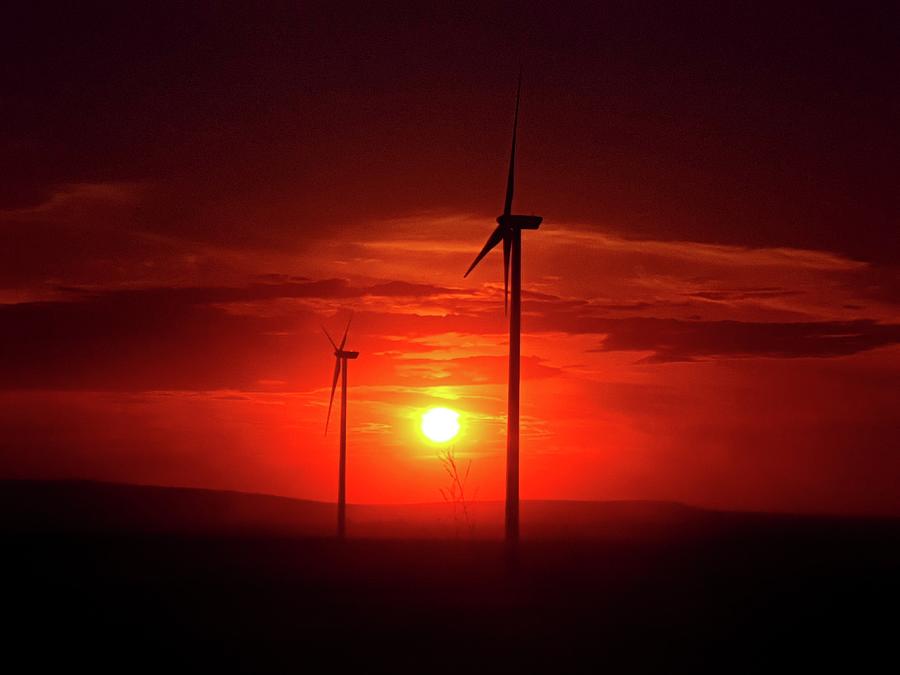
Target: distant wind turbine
x=509 y=231
x=341 y=357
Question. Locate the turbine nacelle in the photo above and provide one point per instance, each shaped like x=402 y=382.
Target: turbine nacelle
x=520 y=222
x=340 y=355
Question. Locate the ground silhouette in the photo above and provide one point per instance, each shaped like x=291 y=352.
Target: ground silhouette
x=128 y=577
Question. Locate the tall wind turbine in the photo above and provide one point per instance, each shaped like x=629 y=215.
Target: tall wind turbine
x=341 y=356
x=509 y=231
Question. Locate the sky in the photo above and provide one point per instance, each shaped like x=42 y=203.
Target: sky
x=711 y=305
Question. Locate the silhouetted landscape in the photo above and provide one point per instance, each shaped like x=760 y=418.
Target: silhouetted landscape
x=121 y=575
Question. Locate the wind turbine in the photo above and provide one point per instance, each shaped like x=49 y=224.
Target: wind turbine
x=341 y=356
x=509 y=231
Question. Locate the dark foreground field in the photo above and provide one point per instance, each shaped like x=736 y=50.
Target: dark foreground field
x=120 y=578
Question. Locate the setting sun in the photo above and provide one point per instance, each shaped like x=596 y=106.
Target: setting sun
x=440 y=424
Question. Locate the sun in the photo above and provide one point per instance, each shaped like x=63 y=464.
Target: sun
x=440 y=424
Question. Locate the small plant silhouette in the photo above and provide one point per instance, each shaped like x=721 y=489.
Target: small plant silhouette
x=455 y=494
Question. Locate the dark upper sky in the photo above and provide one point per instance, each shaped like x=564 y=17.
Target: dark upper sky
x=741 y=123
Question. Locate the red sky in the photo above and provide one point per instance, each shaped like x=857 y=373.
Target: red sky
x=711 y=309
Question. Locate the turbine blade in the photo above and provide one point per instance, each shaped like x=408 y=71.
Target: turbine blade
x=346 y=330
x=329 y=338
x=337 y=372
x=493 y=240
x=507 y=245
x=511 y=178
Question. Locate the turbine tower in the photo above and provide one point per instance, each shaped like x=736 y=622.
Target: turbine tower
x=509 y=231
x=341 y=356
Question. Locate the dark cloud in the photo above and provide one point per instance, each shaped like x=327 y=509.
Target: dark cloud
x=678 y=339
x=675 y=340
x=723 y=295
x=170 y=338
x=631 y=306
x=129 y=342
x=399 y=289
x=184 y=338
x=205 y=295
